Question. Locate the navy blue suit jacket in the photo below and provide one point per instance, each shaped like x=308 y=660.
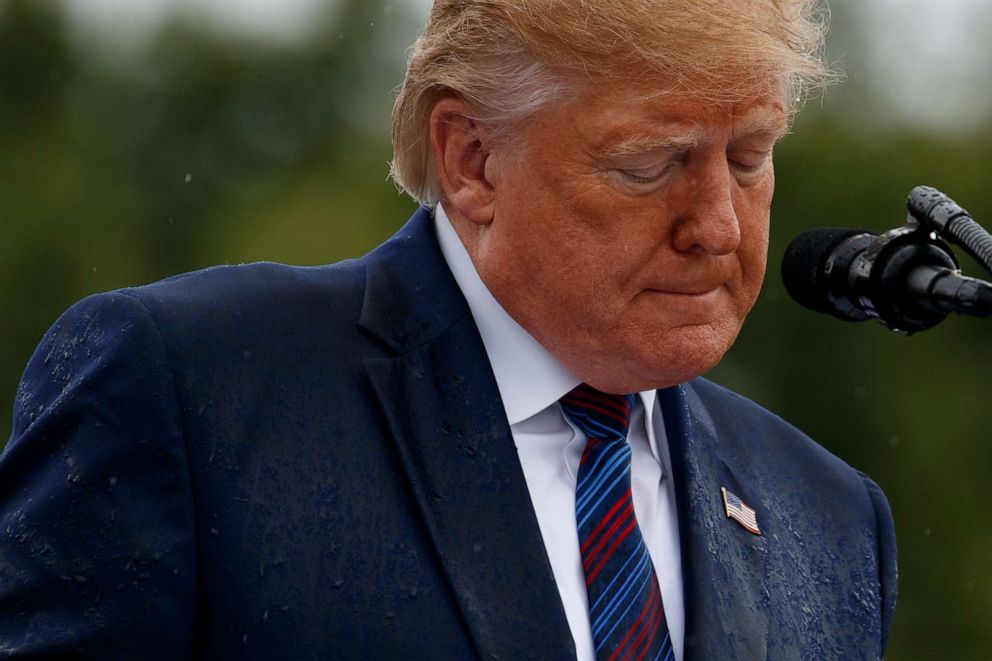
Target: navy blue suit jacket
x=268 y=462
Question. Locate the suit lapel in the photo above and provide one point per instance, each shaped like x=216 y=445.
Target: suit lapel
x=441 y=403
x=723 y=565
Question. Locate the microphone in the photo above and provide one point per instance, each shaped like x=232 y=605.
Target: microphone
x=906 y=279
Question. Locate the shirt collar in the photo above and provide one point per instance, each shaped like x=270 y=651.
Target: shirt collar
x=529 y=378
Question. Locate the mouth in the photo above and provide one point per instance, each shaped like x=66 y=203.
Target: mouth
x=685 y=301
x=702 y=291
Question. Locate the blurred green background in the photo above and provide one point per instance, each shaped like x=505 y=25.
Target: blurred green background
x=138 y=140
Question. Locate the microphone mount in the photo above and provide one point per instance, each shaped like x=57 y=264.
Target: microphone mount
x=866 y=267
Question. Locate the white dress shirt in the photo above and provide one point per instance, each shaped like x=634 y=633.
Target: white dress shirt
x=531 y=381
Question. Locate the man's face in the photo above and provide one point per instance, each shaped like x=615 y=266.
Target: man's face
x=629 y=234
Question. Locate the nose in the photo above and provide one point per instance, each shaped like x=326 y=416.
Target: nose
x=709 y=223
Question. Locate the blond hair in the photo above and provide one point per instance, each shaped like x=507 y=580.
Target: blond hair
x=507 y=59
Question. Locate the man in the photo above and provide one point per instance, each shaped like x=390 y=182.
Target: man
x=486 y=438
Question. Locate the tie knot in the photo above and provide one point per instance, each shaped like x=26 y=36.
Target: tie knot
x=598 y=414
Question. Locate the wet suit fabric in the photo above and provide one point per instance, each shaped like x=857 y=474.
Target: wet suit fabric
x=266 y=462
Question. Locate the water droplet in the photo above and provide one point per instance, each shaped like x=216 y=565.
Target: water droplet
x=926 y=532
x=188 y=178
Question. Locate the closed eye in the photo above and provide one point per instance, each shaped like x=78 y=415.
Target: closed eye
x=655 y=171
x=645 y=175
x=750 y=161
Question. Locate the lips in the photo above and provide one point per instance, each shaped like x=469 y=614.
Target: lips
x=688 y=291
x=695 y=282
x=692 y=278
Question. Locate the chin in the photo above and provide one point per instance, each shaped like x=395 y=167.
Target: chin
x=648 y=359
x=650 y=372
x=682 y=356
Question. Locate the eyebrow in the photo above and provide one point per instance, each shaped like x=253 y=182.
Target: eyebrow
x=767 y=125
x=772 y=125
x=642 y=144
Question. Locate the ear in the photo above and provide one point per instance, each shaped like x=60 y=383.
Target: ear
x=461 y=154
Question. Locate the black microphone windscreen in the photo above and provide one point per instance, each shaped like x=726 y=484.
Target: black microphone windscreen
x=802 y=265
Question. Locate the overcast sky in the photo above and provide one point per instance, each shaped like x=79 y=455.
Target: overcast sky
x=929 y=60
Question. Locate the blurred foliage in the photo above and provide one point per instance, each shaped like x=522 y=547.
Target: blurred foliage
x=204 y=149
x=201 y=150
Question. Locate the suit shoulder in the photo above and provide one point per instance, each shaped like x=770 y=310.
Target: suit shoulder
x=717 y=398
x=256 y=296
x=252 y=284
x=756 y=437
x=264 y=314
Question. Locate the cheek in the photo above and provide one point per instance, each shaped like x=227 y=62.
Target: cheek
x=753 y=213
x=755 y=249
x=752 y=254
x=580 y=233
x=753 y=260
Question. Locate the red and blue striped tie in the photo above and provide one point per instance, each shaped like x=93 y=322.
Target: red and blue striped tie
x=625 y=609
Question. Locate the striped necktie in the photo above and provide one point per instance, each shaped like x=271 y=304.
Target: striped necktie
x=625 y=609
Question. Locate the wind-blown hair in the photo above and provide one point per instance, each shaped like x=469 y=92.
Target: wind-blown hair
x=508 y=59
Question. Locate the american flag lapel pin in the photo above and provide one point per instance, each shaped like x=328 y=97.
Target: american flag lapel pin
x=739 y=512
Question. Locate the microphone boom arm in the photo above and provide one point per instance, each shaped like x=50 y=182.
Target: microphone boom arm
x=935 y=210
